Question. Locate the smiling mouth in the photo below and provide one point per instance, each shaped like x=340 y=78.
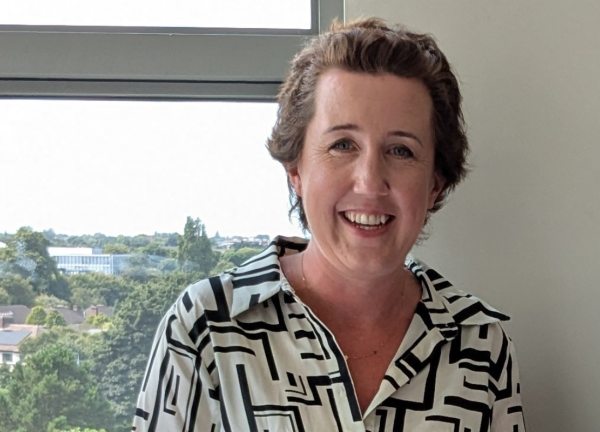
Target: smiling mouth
x=367 y=221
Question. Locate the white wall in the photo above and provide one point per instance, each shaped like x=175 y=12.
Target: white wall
x=523 y=231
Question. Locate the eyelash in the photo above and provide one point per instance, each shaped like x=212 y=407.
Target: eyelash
x=406 y=152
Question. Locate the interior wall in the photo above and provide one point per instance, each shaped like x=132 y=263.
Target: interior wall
x=523 y=231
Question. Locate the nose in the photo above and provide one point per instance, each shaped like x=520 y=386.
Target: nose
x=370 y=175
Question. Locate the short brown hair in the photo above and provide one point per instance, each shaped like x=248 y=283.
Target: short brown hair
x=370 y=46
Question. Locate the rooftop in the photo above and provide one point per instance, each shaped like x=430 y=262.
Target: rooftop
x=19 y=313
x=13 y=338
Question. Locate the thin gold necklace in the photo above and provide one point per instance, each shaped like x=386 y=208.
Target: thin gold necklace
x=382 y=344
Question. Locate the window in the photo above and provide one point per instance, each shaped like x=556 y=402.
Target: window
x=112 y=137
x=206 y=63
x=7 y=358
x=159 y=162
x=287 y=14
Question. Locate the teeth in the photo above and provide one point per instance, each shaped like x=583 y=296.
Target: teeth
x=366 y=219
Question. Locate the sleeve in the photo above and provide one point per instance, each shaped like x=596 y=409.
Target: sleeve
x=177 y=390
x=507 y=411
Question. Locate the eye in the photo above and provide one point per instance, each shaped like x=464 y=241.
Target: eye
x=402 y=151
x=342 y=145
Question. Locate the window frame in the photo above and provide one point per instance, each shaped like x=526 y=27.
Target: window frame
x=152 y=63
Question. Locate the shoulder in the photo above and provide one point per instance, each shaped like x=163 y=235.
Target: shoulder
x=221 y=298
x=464 y=308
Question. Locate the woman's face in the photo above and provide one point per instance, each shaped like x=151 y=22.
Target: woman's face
x=366 y=173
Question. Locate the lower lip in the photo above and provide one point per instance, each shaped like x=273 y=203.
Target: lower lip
x=375 y=231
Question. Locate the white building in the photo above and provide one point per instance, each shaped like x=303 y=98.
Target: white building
x=84 y=260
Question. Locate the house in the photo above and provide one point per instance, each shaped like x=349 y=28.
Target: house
x=10 y=338
x=17 y=313
x=99 y=309
x=72 y=316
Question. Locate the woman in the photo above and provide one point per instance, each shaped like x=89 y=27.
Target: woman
x=345 y=332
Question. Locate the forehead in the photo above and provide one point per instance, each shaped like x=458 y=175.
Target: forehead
x=341 y=92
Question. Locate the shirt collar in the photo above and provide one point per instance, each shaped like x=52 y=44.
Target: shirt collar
x=260 y=278
x=442 y=305
x=445 y=307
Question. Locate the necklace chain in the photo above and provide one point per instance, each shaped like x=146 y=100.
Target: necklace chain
x=382 y=344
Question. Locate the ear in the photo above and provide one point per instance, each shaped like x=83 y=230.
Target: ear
x=437 y=187
x=293 y=174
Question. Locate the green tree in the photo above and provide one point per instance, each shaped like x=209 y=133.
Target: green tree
x=140 y=241
x=116 y=249
x=49 y=301
x=37 y=316
x=238 y=256
x=98 y=321
x=80 y=342
x=4 y=297
x=98 y=288
x=222 y=266
x=52 y=428
x=27 y=254
x=51 y=385
x=172 y=240
x=168 y=265
x=194 y=248
x=54 y=319
x=119 y=368
x=19 y=291
x=155 y=249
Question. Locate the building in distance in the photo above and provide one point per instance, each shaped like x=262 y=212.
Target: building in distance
x=78 y=260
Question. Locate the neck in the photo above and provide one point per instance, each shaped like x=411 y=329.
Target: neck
x=331 y=292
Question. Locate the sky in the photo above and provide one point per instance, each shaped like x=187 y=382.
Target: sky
x=171 y=13
x=134 y=167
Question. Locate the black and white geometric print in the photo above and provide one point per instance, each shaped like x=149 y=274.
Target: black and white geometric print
x=239 y=352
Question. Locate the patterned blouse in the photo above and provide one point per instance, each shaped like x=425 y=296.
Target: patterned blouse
x=240 y=352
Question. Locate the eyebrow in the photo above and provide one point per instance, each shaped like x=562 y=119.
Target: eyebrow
x=355 y=127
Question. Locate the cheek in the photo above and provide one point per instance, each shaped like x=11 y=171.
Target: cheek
x=414 y=198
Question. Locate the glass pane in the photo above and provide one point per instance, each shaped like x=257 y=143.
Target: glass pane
x=285 y=14
x=98 y=199
x=115 y=167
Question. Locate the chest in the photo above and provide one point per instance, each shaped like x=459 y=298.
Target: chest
x=367 y=375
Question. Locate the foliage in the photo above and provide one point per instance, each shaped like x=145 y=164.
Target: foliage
x=4 y=297
x=222 y=266
x=118 y=367
x=4 y=375
x=156 y=249
x=53 y=429
x=63 y=335
x=37 y=316
x=167 y=266
x=49 y=301
x=238 y=256
x=195 y=251
x=54 y=319
x=18 y=290
x=52 y=388
x=116 y=249
x=98 y=289
x=98 y=321
x=27 y=255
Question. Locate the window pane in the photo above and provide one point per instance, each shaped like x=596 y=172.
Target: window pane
x=290 y=14
x=115 y=167
x=108 y=210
